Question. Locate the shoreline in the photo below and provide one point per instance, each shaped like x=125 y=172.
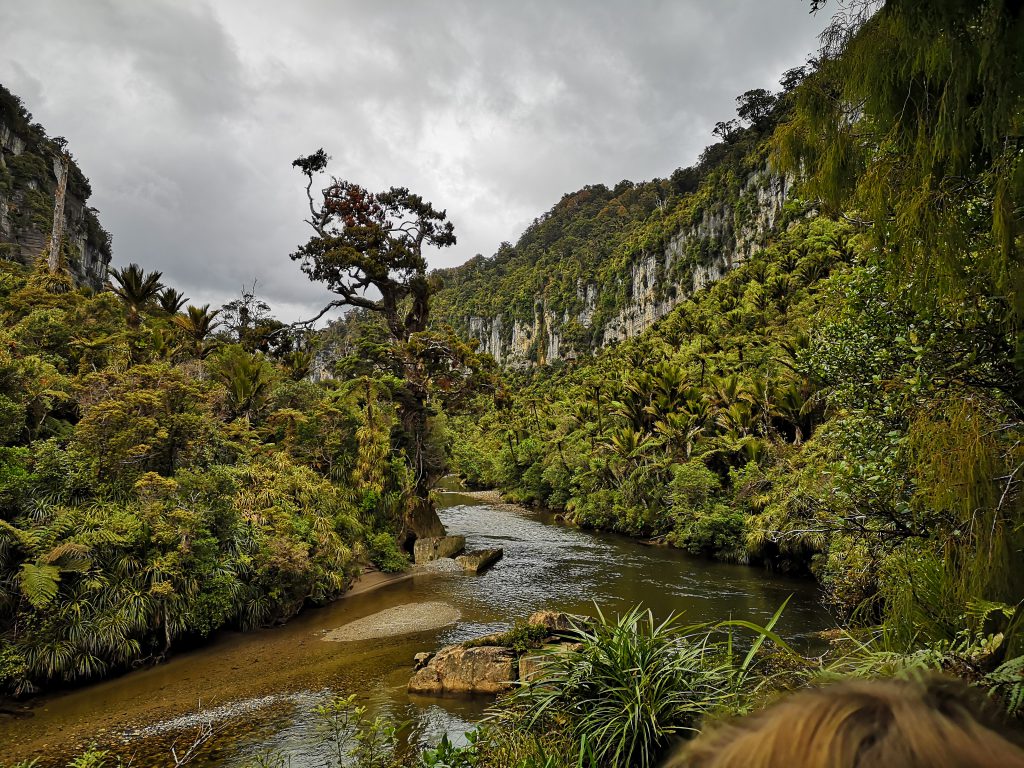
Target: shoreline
x=370 y=580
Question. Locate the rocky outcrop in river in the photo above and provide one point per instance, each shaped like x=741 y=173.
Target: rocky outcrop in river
x=437 y=547
x=479 y=560
x=458 y=670
x=495 y=663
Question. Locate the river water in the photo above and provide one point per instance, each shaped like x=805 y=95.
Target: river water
x=259 y=688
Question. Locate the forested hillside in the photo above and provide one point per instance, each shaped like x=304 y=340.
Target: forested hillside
x=604 y=264
x=845 y=401
x=803 y=354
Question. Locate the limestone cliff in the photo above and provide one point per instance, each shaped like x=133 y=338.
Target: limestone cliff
x=29 y=168
x=645 y=288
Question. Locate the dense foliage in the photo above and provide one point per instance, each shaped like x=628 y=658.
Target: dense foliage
x=159 y=480
x=575 y=261
x=367 y=248
x=847 y=401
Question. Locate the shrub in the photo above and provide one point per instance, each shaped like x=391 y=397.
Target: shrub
x=632 y=684
x=385 y=553
x=521 y=638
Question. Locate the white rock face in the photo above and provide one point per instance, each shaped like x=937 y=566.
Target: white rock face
x=652 y=294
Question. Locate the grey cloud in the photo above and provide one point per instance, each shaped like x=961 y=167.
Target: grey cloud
x=186 y=115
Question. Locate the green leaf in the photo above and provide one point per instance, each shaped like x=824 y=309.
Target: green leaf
x=39 y=583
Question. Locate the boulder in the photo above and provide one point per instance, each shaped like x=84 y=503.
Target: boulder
x=423 y=522
x=436 y=547
x=457 y=670
x=420 y=660
x=557 y=622
x=479 y=560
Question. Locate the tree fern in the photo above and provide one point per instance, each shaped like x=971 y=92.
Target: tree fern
x=39 y=583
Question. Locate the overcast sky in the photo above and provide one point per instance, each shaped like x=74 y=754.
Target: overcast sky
x=186 y=114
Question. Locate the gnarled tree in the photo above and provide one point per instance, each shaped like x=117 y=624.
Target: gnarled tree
x=368 y=250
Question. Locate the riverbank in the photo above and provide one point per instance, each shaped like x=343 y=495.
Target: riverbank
x=372 y=579
x=263 y=686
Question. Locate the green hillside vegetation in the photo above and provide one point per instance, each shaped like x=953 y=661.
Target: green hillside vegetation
x=593 y=235
x=159 y=481
x=844 y=404
x=847 y=402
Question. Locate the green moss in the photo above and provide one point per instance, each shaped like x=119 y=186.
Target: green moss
x=522 y=637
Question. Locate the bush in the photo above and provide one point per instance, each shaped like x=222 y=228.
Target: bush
x=718 y=531
x=521 y=638
x=385 y=553
x=632 y=685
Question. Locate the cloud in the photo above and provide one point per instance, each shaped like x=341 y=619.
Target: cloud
x=186 y=114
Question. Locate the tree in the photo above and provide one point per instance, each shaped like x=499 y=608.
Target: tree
x=171 y=301
x=198 y=323
x=248 y=321
x=912 y=119
x=367 y=248
x=248 y=379
x=910 y=126
x=726 y=130
x=755 y=107
x=137 y=289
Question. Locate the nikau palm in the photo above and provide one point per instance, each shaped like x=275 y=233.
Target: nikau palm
x=137 y=289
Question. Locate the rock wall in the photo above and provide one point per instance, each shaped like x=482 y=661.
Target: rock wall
x=657 y=282
x=24 y=227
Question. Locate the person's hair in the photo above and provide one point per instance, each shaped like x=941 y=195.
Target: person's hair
x=862 y=724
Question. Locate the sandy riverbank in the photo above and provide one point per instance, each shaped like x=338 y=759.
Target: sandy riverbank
x=371 y=580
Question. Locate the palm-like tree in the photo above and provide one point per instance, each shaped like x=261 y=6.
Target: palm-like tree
x=298 y=363
x=843 y=247
x=198 y=323
x=136 y=288
x=248 y=379
x=171 y=301
x=628 y=446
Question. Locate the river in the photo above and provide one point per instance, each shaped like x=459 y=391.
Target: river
x=259 y=688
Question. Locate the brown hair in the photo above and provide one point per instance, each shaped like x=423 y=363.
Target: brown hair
x=861 y=724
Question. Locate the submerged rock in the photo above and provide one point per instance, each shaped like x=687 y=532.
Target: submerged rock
x=457 y=670
x=479 y=560
x=436 y=547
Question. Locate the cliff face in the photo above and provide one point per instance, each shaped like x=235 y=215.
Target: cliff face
x=29 y=168
x=653 y=282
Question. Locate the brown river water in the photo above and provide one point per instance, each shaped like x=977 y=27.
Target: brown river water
x=259 y=688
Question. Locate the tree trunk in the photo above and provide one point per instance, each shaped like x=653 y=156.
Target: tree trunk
x=57 y=234
x=421 y=522
x=421 y=519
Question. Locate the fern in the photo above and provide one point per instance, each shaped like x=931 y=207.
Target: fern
x=39 y=583
x=1006 y=683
